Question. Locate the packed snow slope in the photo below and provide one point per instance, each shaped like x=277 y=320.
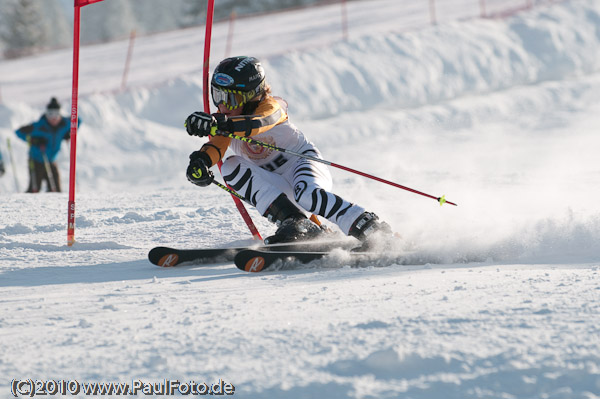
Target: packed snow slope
x=500 y=115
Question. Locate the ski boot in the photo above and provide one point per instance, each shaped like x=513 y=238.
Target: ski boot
x=373 y=234
x=293 y=224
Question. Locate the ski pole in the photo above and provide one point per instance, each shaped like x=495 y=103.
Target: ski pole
x=33 y=186
x=49 y=171
x=12 y=162
x=231 y=191
x=442 y=200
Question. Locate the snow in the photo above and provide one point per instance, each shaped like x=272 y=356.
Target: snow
x=502 y=301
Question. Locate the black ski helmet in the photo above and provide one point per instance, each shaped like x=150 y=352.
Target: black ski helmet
x=237 y=80
x=53 y=104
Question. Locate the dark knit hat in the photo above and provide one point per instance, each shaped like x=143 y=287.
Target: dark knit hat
x=53 y=104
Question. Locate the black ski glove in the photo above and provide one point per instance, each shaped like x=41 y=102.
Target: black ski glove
x=200 y=124
x=223 y=123
x=37 y=141
x=2 y=168
x=197 y=171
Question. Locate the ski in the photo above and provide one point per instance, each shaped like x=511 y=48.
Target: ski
x=258 y=260
x=169 y=257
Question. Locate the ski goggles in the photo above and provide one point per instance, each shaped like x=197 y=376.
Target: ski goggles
x=232 y=99
x=53 y=113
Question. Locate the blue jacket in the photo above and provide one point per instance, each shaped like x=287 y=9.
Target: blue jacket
x=44 y=137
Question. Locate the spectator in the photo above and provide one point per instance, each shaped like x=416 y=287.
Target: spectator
x=45 y=138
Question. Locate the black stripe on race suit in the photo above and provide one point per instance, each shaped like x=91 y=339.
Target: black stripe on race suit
x=246 y=178
x=330 y=204
x=326 y=200
x=336 y=207
x=323 y=202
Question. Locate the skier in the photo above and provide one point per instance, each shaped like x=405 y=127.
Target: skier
x=45 y=137
x=280 y=186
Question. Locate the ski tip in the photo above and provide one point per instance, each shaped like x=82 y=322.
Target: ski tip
x=255 y=264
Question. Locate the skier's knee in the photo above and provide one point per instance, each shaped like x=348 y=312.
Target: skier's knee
x=299 y=191
x=230 y=164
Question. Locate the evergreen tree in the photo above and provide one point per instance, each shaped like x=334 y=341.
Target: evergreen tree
x=30 y=25
x=107 y=20
x=58 y=25
x=158 y=15
x=23 y=32
x=194 y=12
x=196 y=9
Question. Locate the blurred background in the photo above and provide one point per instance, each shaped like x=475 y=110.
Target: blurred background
x=33 y=26
x=30 y=26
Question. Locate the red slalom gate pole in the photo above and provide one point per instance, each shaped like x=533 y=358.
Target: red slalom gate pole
x=74 y=99
x=210 y=8
x=442 y=200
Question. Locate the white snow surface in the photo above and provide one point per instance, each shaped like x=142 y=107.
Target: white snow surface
x=501 y=296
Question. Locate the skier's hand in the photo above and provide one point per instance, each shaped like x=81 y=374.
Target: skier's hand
x=197 y=171
x=37 y=141
x=200 y=124
x=223 y=122
x=1 y=168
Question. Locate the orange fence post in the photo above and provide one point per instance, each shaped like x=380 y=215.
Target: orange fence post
x=128 y=60
x=232 y=17
x=432 y=12
x=344 y=9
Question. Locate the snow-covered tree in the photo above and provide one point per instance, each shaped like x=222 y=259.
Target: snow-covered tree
x=158 y=15
x=196 y=9
x=107 y=20
x=23 y=29
x=58 y=25
x=28 y=25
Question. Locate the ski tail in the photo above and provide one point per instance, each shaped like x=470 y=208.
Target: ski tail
x=169 y=257
x=255 y=261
